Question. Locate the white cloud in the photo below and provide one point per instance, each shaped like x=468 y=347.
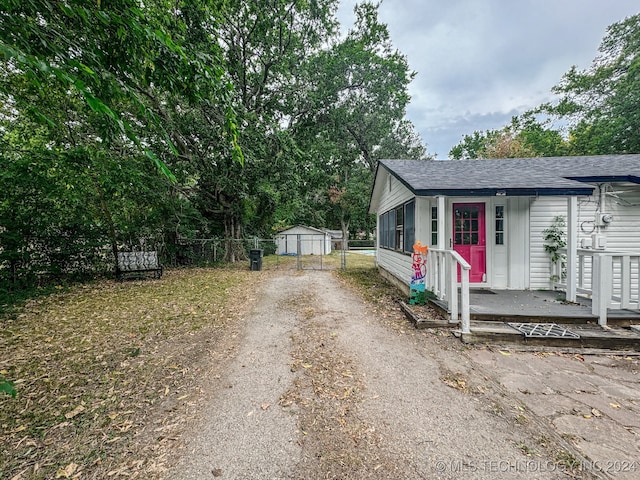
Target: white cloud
x=480 y=63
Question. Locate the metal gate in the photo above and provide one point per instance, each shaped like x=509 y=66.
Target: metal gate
x=298 y=252
x=311 y=251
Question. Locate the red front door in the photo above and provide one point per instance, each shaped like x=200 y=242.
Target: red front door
x=469 y=238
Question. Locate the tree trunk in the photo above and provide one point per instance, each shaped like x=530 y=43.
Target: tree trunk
x=234 y=251
x=345 y=233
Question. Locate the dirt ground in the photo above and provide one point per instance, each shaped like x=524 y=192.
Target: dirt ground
x=314 y=381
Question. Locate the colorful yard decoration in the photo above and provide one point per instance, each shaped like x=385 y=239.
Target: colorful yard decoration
x=419 y=273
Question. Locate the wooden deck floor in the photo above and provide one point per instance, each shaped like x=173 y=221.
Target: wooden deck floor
x=539 y=306
x=490 y=311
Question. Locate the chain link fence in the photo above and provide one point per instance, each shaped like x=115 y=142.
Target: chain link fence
x=294 y=252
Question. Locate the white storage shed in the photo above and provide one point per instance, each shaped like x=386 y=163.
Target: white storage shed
x=304 y=240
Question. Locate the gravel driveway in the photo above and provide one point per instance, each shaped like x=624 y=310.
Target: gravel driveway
x=324 y=385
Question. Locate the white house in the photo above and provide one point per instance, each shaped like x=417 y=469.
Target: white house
x=306 y=240
x=493 y=214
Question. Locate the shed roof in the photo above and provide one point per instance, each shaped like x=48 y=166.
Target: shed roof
x=296 y=230
x=514 y=176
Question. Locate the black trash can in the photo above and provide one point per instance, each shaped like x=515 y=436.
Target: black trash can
x=255 y=259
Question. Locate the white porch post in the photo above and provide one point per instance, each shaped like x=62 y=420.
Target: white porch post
x=452 y=290
x=464 y=292
x=442 y=222
x=602 y=285
x=572 y=247
x=442 y=235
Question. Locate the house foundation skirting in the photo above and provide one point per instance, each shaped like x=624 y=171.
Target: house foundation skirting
x=394 y=280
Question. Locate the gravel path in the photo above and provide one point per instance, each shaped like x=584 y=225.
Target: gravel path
x=324 y=385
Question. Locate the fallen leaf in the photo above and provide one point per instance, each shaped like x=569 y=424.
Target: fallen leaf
x=596 y=412
x=75 y=412
x=264 y=406
x=67 y=471
x=586 y=415
x=614 y=405
x=506 y=354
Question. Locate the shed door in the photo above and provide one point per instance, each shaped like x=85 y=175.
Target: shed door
x=469 y=238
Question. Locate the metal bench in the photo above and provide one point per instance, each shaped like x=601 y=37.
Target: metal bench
x=138 y=265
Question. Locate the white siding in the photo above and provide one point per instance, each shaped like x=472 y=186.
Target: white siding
x=543 y=210
x=396 y=263
x=395 y=193
x=623 y=233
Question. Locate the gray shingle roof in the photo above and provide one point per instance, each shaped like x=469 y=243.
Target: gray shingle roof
x=514 y=176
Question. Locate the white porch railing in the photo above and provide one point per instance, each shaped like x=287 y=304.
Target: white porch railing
x=610 y=278
x=442 y=280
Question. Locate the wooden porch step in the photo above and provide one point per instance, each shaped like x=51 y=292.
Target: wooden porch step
x=420 y=322
x=591 y=336
x=496 y=317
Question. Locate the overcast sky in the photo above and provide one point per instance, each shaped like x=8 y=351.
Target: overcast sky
x=480 y=62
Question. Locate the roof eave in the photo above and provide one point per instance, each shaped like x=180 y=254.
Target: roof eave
x=607 y=179
x=499 y=192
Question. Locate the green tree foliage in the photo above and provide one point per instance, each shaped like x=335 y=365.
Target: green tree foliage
x=259 y=115
x=90 y=92
x=354 y=117
x=119 y=56
x=602 y=102
x=526 y=136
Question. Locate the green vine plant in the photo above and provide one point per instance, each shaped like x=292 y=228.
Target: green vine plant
x=555 y=240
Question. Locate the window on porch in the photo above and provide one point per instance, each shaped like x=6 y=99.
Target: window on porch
x=397 y=228
x=434 y=225
x=499 y=224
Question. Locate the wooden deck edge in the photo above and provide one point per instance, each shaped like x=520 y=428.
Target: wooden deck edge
x=488 y=317
x=585 y=342
x=420 y=322
x=492 y=317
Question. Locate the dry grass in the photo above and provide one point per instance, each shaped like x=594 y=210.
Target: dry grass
x=106 y=373
x=88 y=366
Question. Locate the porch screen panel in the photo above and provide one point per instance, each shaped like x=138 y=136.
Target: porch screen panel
x=392 y=229
x=409 y=226
x=399 y=228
